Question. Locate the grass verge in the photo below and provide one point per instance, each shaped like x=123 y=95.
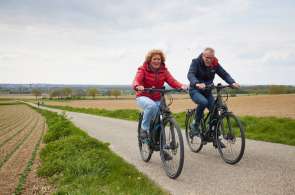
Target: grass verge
x=270 y=129
x=79 y=164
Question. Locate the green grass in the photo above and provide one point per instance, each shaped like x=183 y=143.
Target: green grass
x=79 y=164
x=270 y=129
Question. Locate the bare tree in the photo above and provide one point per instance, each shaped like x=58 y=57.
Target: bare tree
x=116 y=93
x=78 y=93
x=55 y=93
x=109 y=92
x=67 y=92
x=36 y=92
x=92 y=92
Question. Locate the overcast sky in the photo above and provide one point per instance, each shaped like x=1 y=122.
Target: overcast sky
x=103 y=42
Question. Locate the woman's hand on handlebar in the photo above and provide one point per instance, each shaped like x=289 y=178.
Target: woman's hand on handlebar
x=139 y=88
x=184 y=87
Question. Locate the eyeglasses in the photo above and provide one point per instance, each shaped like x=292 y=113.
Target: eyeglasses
x=209 y=58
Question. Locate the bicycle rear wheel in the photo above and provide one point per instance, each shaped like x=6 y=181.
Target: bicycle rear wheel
x=144 y=147
x=194 y=142
x=231 y=133
x=171 y=148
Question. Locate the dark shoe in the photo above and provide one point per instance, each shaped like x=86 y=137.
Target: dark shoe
x=195 y=130
x=221 y=144
x=144 y=134
x=229 y=137
x=167 y=156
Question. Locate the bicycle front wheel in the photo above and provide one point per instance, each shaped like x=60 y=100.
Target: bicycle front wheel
x=144 y=147
x=230 y=138
x=171 y=148
x=194 y=142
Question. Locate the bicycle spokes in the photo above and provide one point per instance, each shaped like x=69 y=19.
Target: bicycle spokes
x=194 y=142
x=172 y=149
x=232 y=136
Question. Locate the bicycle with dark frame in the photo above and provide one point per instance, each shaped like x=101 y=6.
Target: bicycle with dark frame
x=219 y=126
x=165 y=136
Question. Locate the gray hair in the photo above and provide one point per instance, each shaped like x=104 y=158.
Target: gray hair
x=209 y=49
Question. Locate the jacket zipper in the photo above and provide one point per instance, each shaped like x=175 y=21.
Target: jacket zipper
x=156 y=77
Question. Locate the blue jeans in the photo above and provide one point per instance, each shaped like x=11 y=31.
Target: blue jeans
x=204 y=99
x=150 y=109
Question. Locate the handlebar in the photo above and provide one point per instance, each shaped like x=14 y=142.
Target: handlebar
x=163 y=90
x=218 y=86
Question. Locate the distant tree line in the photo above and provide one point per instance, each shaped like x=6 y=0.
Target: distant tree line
x=280 y=89
x=94 y=92
x=69 y=93
x=63 y=93
x=263 y=89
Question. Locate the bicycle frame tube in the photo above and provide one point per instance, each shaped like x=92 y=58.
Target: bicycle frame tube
x=165 y=115
x=213 y=111
x=160 y=115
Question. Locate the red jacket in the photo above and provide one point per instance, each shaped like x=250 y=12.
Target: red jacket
x=148 y=78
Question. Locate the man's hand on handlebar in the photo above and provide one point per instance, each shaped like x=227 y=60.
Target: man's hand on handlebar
x=236 y=85
x=201 y=85
x=204 y=86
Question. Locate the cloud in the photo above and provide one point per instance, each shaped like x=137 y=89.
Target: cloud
x=104 y=42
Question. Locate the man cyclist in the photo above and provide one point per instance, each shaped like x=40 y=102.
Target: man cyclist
x=201 y=73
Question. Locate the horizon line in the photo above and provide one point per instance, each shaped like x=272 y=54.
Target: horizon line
x=123 y=84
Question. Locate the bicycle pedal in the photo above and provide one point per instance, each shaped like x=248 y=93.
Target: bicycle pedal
x=167 y=147
x=146 y=141
x=156 y=147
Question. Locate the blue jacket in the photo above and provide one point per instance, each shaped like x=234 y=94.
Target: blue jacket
x=199 y=73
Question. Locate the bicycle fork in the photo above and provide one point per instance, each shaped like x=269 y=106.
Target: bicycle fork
x=172 y=145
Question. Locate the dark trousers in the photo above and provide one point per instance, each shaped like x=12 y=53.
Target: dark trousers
x=204 y=99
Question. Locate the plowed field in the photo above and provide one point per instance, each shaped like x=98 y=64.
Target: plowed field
x=21 y=129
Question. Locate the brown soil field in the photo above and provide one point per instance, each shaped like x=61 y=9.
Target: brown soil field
x=34 y=184
x=16 y=96
x=259 y=105
x=21 y=128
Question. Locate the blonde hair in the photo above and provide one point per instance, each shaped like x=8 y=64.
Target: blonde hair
x=153 y=52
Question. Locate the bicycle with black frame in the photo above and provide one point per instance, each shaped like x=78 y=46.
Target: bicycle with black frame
x=165 y=136
x=219 y=126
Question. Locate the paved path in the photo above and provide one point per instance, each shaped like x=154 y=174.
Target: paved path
x=266 y=168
